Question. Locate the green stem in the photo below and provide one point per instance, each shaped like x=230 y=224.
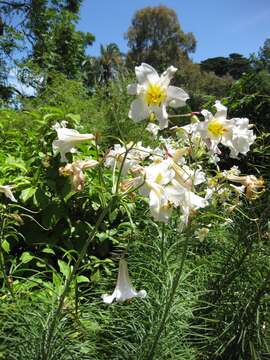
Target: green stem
x=47 y=344
x=162 y=244
x=176 y=279
x=2 y=260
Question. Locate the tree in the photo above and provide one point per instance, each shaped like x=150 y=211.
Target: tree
x=218 y=65
x=264 y=55
x=45 y=32
x=99 y=70
x=155 y=36
x=238 y=65
x=234 y=65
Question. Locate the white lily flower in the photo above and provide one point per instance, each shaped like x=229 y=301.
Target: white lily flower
x=140 y=152
x=6 y=189
x=242 y=137
x=124 y=289
x=154 y=94
x=157 y=176
x=234 y=133
x=75 y=171
x=216 y=128
x=116 y=156
x=67 y=140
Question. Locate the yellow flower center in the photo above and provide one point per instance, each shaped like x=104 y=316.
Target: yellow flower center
x=155 y=94
x=159 y=178
x=216 y=128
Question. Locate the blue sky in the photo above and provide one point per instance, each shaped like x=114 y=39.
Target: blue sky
x=221 y=27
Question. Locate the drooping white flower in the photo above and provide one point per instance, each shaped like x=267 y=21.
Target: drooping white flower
x=75 y=172
x=67 y=140
x=6 y=189
x=154 y=94
x=124 y=289
x=252 y=185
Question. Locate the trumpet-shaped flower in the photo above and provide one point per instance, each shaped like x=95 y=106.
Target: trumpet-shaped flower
x=157 y=176
x=180 y=195
x=75 y=172
x=67 y=140
x=154 y=94
x=252 y=185
x=124 y=289
x=6 y=189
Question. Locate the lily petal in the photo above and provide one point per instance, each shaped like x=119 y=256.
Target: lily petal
x=138 y=110
x=177 y=97
x=167 y=76
x=6 y=189
x=146 y=74
x=134 y=89
x=162 y=116
x=221 y=110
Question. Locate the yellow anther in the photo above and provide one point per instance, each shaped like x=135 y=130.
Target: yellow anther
x=155 y=94
x=216 y=128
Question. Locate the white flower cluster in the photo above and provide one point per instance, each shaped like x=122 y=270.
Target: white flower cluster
x=217 y=129
x=169 y=176
x=162 y=175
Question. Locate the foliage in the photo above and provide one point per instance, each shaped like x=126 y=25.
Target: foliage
x=263 y=58
x=250 y=96
x=47 y=38
x=200 y=84
x=234 y=65
x=155 y=37
x=99 y=70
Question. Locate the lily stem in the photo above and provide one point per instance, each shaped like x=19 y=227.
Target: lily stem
x=166 y=313
x=162 y=244
x=2 y=260
x=51 y=329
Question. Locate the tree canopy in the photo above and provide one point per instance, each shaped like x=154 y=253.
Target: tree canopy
x=156 y=37
x=234 y=65
x=44 y=32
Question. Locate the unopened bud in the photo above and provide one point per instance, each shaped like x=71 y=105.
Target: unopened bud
x=194 y=119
